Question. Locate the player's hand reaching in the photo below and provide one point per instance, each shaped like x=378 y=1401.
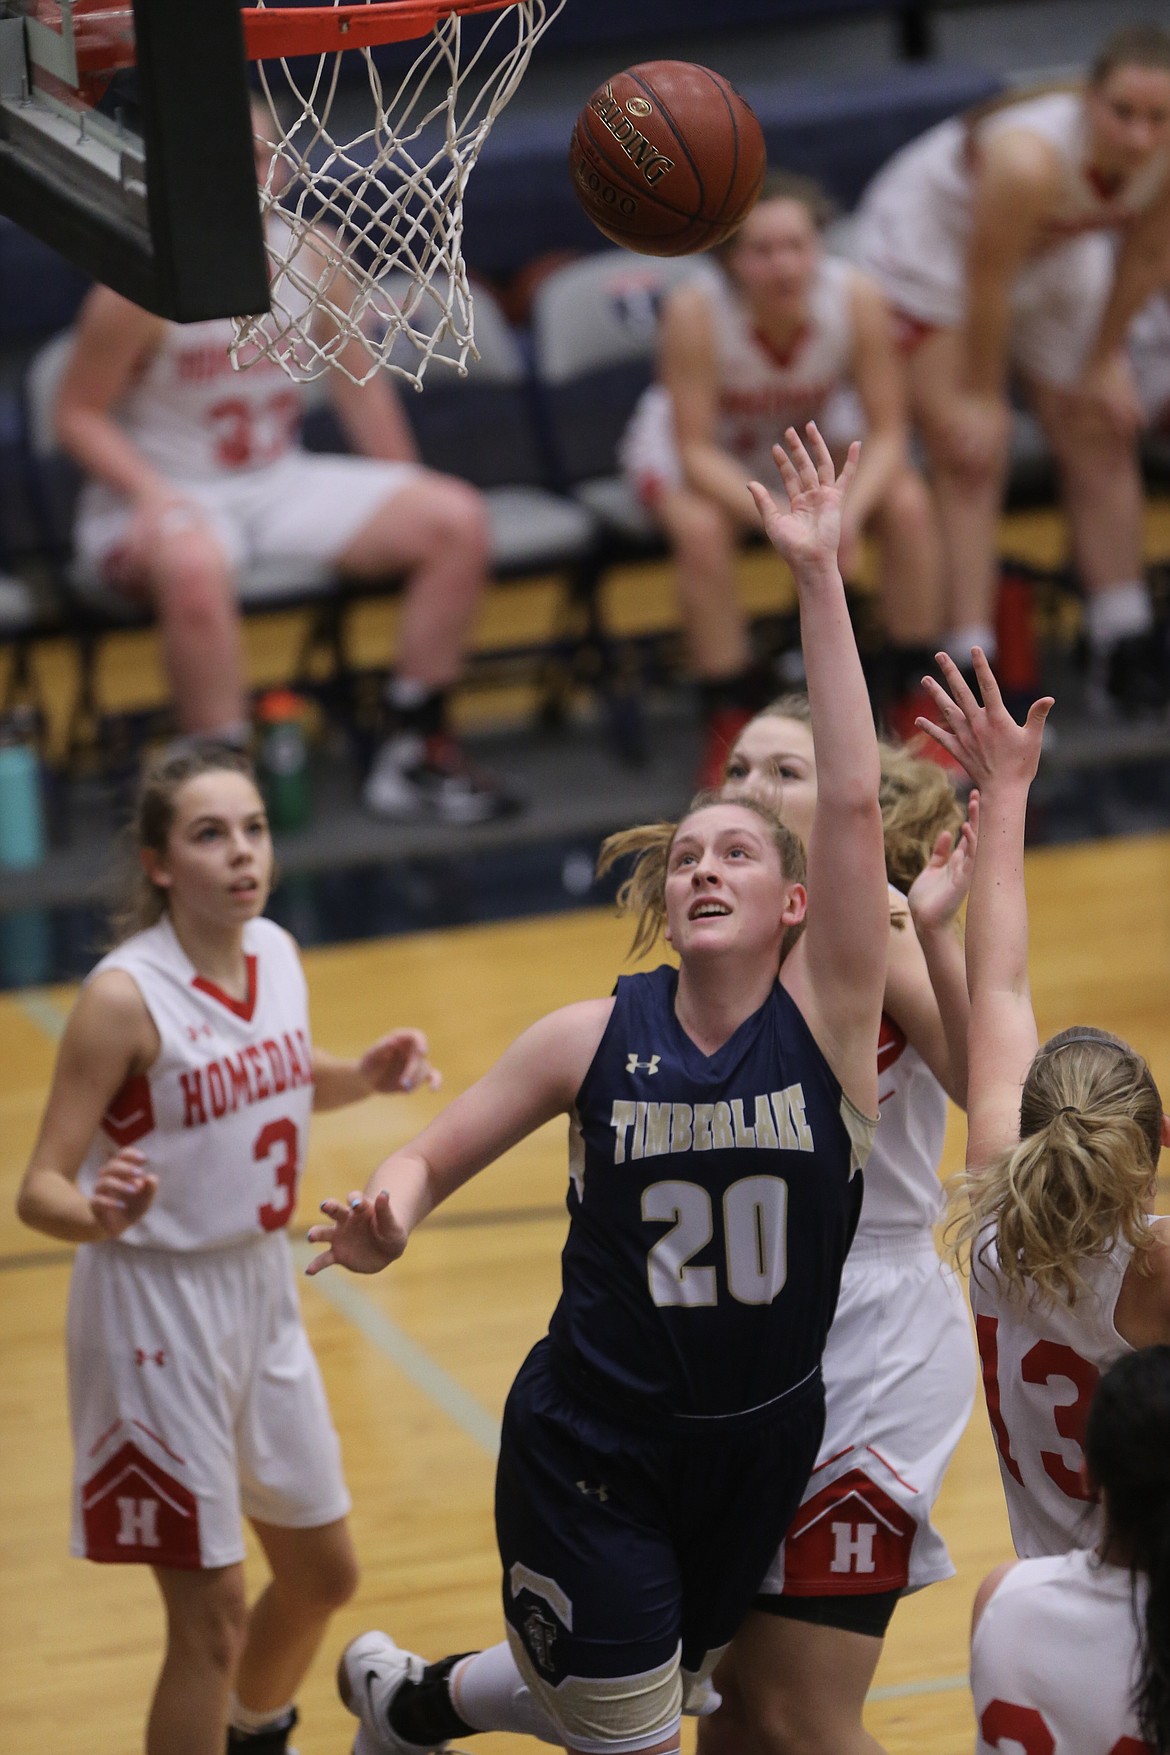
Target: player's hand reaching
x=398 y=1062
x=986 y=739
x=123 y=1191
x=938 y=892
x=807 y=531
x=364 y=1237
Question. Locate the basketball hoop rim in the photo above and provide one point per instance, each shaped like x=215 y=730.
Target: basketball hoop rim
x=284 y=32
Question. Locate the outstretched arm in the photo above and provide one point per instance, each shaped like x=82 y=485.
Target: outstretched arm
x=395 y=1062
x=837 y=972
x=935 y=897
x=1001 y=757
x=535 y=1079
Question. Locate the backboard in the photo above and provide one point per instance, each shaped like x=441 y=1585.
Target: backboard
x=142 y=173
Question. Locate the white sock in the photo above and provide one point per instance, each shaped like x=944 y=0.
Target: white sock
x=1116 y=612
x=242 y=1718
x=489 y=1693
x=959 y=642
x=406 y=692
x=237 y=733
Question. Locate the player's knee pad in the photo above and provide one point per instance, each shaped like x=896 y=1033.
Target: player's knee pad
x=616 y=1715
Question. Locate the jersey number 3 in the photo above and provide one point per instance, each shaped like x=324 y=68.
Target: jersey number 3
x=278 y=1141
x=755 y=1241
x=1040 y=1364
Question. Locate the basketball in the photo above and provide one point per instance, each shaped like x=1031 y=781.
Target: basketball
x=667 y=158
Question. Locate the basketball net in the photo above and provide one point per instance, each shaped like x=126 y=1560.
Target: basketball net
x=350 y=196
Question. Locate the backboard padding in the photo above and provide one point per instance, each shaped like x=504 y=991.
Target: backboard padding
x=161 y=205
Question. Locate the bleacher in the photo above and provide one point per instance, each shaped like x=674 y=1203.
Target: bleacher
x=838 y=85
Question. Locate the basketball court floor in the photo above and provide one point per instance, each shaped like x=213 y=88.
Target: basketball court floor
x=419 y=1359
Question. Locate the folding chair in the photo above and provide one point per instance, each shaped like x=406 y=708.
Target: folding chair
x=92 y=611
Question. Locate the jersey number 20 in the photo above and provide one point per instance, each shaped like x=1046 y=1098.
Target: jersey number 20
x=755 y=1240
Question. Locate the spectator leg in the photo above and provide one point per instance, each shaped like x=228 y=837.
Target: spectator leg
x=194 y=599
x=435 y=530
x=702 y=541
x=967 y=501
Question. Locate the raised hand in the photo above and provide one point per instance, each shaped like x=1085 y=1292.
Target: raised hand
x=398 y=1062
x=986 y=740
x=123 y=1191
x=364 y=1237
x=937 y=893
x=808 y=529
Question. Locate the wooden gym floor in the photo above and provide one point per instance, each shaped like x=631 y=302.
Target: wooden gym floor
x=418 y=1360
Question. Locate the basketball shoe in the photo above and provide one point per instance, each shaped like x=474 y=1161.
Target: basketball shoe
x=415 y=777
x=273 y=1741
x=1131 y=678
x=370 y=1672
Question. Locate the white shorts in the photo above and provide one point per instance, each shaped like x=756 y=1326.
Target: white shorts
x=1149 y=353
x=304 y=509
x=195 y=1400
x=900 y=1377
x=914 y=248
x=648 y=452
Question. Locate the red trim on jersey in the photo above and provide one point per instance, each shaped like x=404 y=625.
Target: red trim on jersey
x=133 y=1511
x=909 y=1485
x=782 y=356
x=850 y=1539
x=891 y=1043
x=1108 y=187
x=836 y=1457
x=242 y=1008
x=104 y=1439
x=910 y=331
x=161 y=1442
x=130 y=1115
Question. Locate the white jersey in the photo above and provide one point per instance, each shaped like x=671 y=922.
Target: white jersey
x=1041 y=1361
x=760 y=391
x=222 y=1115
x=899 y=1367
x=902 y=1190
x=195 y=417
x=914 y=226
x=1054 y=1659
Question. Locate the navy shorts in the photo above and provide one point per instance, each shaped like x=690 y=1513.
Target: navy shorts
x=620 y=1544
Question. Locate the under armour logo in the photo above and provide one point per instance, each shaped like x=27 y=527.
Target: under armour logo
x=194 y=1031
x=540 y=1635
x=601 y=1492
x=649 y=1067
x=142 y=1355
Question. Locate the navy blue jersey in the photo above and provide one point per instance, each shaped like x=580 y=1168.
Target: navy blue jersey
x=712 y=1201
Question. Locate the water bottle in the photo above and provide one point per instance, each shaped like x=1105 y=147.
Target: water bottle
x=284 y=759
x=22 y=811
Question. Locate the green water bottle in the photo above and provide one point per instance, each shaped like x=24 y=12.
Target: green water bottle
x=22 y=813
x=284 y=759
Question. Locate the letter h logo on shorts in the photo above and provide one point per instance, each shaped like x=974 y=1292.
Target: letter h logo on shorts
x=134 y=1510
x=851 y=1536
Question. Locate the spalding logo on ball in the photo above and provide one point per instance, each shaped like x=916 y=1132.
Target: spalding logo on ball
x=667 y=158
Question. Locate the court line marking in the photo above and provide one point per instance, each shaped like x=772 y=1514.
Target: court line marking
x=40 y=1010
x=414 y=1361
x=906 y=1690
